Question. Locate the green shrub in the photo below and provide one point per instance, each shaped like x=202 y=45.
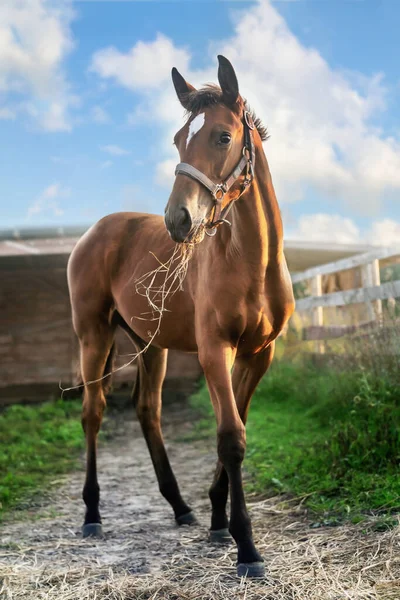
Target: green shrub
x=328 y=433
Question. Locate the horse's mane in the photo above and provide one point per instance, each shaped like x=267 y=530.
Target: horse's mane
x=211 y=95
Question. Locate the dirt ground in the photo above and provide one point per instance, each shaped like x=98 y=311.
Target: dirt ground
x=144 y=555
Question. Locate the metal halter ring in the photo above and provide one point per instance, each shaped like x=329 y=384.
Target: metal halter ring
x=211 y=232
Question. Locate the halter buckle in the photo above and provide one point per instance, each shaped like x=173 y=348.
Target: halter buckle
x=219 y=192
x=246 y=183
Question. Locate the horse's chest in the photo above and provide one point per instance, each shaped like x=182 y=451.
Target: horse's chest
x=257 y=330
x=244 y=319
x=258 y=316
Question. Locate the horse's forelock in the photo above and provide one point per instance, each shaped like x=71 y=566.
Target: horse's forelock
x=211 y=95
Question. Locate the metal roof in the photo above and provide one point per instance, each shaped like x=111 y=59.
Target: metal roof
x=46 y=247
x=33 y=233
x=301 y=255
x=23 y=247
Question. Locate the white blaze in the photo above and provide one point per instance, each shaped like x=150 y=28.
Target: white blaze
x=195 y=126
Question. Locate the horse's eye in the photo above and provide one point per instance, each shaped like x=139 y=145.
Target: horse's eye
x=225 y=139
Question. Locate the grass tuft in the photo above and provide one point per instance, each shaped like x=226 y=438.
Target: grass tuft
x=38 y=443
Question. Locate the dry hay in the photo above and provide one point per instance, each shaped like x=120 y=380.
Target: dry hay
x=347 y=562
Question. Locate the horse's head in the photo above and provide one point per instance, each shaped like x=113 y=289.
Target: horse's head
x=212 y=148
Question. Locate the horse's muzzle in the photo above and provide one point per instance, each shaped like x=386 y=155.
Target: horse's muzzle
x=178 y=223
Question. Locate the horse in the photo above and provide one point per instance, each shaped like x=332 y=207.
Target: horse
x=234 y=301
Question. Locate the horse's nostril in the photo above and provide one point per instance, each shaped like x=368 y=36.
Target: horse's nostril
x=178 y=223
x=185 y=217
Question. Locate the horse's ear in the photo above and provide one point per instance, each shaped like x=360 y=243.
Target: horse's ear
x=182 y=87
x=228 y=81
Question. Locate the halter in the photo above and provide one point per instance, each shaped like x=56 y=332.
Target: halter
x=218 y=190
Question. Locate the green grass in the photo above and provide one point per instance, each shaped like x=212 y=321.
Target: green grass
x=330 y=436
x=37 y=444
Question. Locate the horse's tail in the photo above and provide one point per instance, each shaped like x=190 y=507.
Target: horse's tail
x=78 y=384
x=139 y=345
x=108 y=369
x=136 y=386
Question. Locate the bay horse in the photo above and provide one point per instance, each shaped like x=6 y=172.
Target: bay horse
x=235 y=300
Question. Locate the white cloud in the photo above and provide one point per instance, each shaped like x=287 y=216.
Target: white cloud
x=7 y=113
x=322 y=120
x=106 y=164
x=133 y=199
x=35 y=38
x=114 y=150
x=319 y=117
x=322 y=227
x=100 y=115
x=49 y=201
x=165 y=173
x=385 y=233
x=145 y=66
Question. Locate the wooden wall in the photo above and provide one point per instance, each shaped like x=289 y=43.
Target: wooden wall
x=36 y=339
x=38 y=348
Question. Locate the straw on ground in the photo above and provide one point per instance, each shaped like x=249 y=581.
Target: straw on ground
x=145 y=557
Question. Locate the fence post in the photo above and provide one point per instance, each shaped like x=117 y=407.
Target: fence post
x=371 y=277
x=376 y=280
x=318 y=311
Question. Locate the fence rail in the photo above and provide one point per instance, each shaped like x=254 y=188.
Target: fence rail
x=384 y=291
x=370 y=294
x=347 y=263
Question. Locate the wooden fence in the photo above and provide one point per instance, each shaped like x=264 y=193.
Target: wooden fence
x=365 y=299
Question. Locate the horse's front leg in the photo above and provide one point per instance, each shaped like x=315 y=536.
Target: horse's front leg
x=247 y=372
x=217 y=359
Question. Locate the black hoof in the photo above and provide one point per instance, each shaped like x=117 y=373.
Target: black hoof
x=251 y=570
x=187 y=519
x=92 y=530
x=220 y=536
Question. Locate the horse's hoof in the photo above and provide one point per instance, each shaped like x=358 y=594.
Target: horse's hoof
x=220 y=536
x=92 y=530
x=187 y=519
x=251 y=570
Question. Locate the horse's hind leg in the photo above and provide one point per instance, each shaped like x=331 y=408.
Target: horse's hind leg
x=147 y=400
x=96 y=340
x=246 y=375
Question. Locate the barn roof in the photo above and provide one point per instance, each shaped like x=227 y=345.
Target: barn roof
x=51 y=247
x=37 y=247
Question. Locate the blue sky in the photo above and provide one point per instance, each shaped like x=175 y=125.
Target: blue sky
x=88 y=112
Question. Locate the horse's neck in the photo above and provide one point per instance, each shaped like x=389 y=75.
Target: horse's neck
x=257 y=231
